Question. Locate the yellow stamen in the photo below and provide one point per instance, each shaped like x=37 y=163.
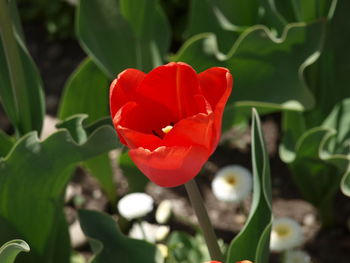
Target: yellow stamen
x=167 y=129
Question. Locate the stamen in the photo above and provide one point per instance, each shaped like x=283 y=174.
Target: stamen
x=167 y=129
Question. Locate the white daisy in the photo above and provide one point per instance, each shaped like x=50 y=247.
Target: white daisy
x=135 y=205
x=150 y=232
x=286 y=234
x=232 y=183
x=163 y=212
x=296 y=256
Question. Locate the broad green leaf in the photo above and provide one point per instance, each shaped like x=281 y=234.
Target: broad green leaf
x=252 y=243
x=87 y=91
x=10 y=250
x=38 y=173
x=305 y=11
x=272 y=17
x=205 y=16
x=27 y=115
x=293 y=125
x=6 y=143
x=185 y=248
x=136 y=179
x=110 y=245
x=268 y=71
x=328 y=78
x=120 y=34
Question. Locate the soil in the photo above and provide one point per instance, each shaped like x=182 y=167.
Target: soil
x=57 y=60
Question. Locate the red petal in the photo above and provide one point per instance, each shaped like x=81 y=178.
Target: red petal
x=216 y=84
x=173 y=85
x=122 y=89
x=170 y=166
x=136 y=125
x=196 y=130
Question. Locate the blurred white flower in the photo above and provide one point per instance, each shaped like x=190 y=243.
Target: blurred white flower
x=163 y=249
x=286 y=234
x=296 y=256
x=163 y=212
x=232 y=183
x=150 y=232
x=135 y=205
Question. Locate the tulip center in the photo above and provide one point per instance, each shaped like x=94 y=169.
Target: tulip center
x=167 y=129
x=283 y=230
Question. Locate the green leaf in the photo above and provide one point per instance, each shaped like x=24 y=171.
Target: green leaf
x=6 y=143
x=293 y=125
x=101 y=168
x=275 y=84
x=322 y=156
x=252 y=243
x=185 y=248
x=206 y=17
x=87 y=91
x=10 y=250
x=27 y=115
x=117 y=35
x=307 y=11
x=272 y=17
x=345 y=183
x=136 y=179
x=328 y=78
x=110 y=245
x=38 y=173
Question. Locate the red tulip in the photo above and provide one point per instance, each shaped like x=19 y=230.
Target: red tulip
x=170 y=118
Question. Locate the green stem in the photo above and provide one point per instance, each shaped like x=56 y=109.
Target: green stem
x=204 y=221
x=15 y=69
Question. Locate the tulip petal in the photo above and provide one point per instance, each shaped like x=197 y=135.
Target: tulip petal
x=196 y=130
x=122 y=89
x=170 y=166
x=173 y=85
x=216 y=84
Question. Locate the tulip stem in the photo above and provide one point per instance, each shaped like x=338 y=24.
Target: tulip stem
x=203 y=220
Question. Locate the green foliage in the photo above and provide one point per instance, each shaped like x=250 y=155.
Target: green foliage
x=110 y=245
x=183 y=248
x=319 y=159
x=121 y=36
x=87 y=92
x=317 y=167
x=10 y=250
x=257 y=61
x=38 y=173
x=252 y=242
x=21 y=89
x=6 y=143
